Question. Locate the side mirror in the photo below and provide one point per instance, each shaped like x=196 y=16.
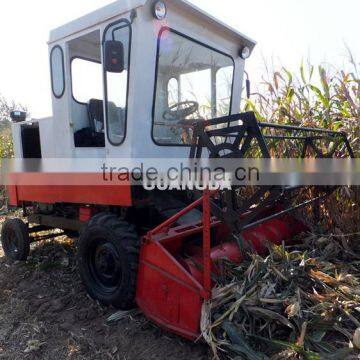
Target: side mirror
x=114 y=56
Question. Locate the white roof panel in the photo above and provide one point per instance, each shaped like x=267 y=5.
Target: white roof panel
x=96 y=17
x=122 y=6
x=214 y=21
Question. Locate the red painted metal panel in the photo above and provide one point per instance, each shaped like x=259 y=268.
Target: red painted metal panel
x=12 y=194
x=67 y=188
x=167 y=293
x=170 y=304
x=86 y=212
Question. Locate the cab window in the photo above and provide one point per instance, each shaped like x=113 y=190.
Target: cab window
x=85 y=71
x=116 y=85
x=194 y=82
x=57 y=71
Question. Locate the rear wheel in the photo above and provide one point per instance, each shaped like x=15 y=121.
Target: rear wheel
x=15 y=239
x=108 y=255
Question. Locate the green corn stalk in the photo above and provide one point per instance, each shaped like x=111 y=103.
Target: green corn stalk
x=330 y=100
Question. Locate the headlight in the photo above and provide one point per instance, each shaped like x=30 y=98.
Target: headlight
x=160 y=10
x=245 y=52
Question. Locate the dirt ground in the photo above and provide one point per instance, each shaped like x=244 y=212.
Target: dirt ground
x=45 y=313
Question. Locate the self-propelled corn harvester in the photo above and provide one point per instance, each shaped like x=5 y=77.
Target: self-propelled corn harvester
x=140 y=79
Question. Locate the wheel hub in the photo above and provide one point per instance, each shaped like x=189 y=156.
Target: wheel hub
x=12 y=241
x=106 y=265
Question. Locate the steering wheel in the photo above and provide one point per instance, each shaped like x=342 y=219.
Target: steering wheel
x=181 y=110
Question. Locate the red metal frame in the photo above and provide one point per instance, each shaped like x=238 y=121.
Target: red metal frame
x=207 y=243
x=166 y=292
x=206 y=228
x=165 y=226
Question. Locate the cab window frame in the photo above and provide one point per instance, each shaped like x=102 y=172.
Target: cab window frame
x=190 y=38
x=123 y=23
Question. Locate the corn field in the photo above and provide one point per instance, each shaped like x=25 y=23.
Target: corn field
x=295 y=303
x=6 y=145
x=314 y=96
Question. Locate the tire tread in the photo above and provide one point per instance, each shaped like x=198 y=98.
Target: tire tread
x=130 y=244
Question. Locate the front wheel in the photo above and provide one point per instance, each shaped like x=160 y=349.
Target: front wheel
x=108 y=256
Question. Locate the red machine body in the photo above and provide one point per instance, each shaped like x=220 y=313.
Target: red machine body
x=176 y=262
x=74 y=188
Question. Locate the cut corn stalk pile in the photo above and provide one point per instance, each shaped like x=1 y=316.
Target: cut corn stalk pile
x=301 y=302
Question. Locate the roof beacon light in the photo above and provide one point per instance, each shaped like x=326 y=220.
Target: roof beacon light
x=160 y=10
x=245 y=53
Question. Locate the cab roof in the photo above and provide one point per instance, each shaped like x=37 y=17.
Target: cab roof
x=123 y=6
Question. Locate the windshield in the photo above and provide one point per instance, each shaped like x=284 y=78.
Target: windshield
x=194 y=82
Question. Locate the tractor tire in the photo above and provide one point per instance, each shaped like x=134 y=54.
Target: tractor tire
x=15 y=240
x=108 y=258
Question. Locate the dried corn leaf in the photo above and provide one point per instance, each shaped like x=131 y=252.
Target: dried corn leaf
x=301 y=299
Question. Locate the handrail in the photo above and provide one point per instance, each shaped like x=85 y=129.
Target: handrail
x=299 y=128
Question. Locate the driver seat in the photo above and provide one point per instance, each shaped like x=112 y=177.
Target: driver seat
x=93 y=135
x=95 y=110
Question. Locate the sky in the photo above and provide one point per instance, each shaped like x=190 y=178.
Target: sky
x=286 y=31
